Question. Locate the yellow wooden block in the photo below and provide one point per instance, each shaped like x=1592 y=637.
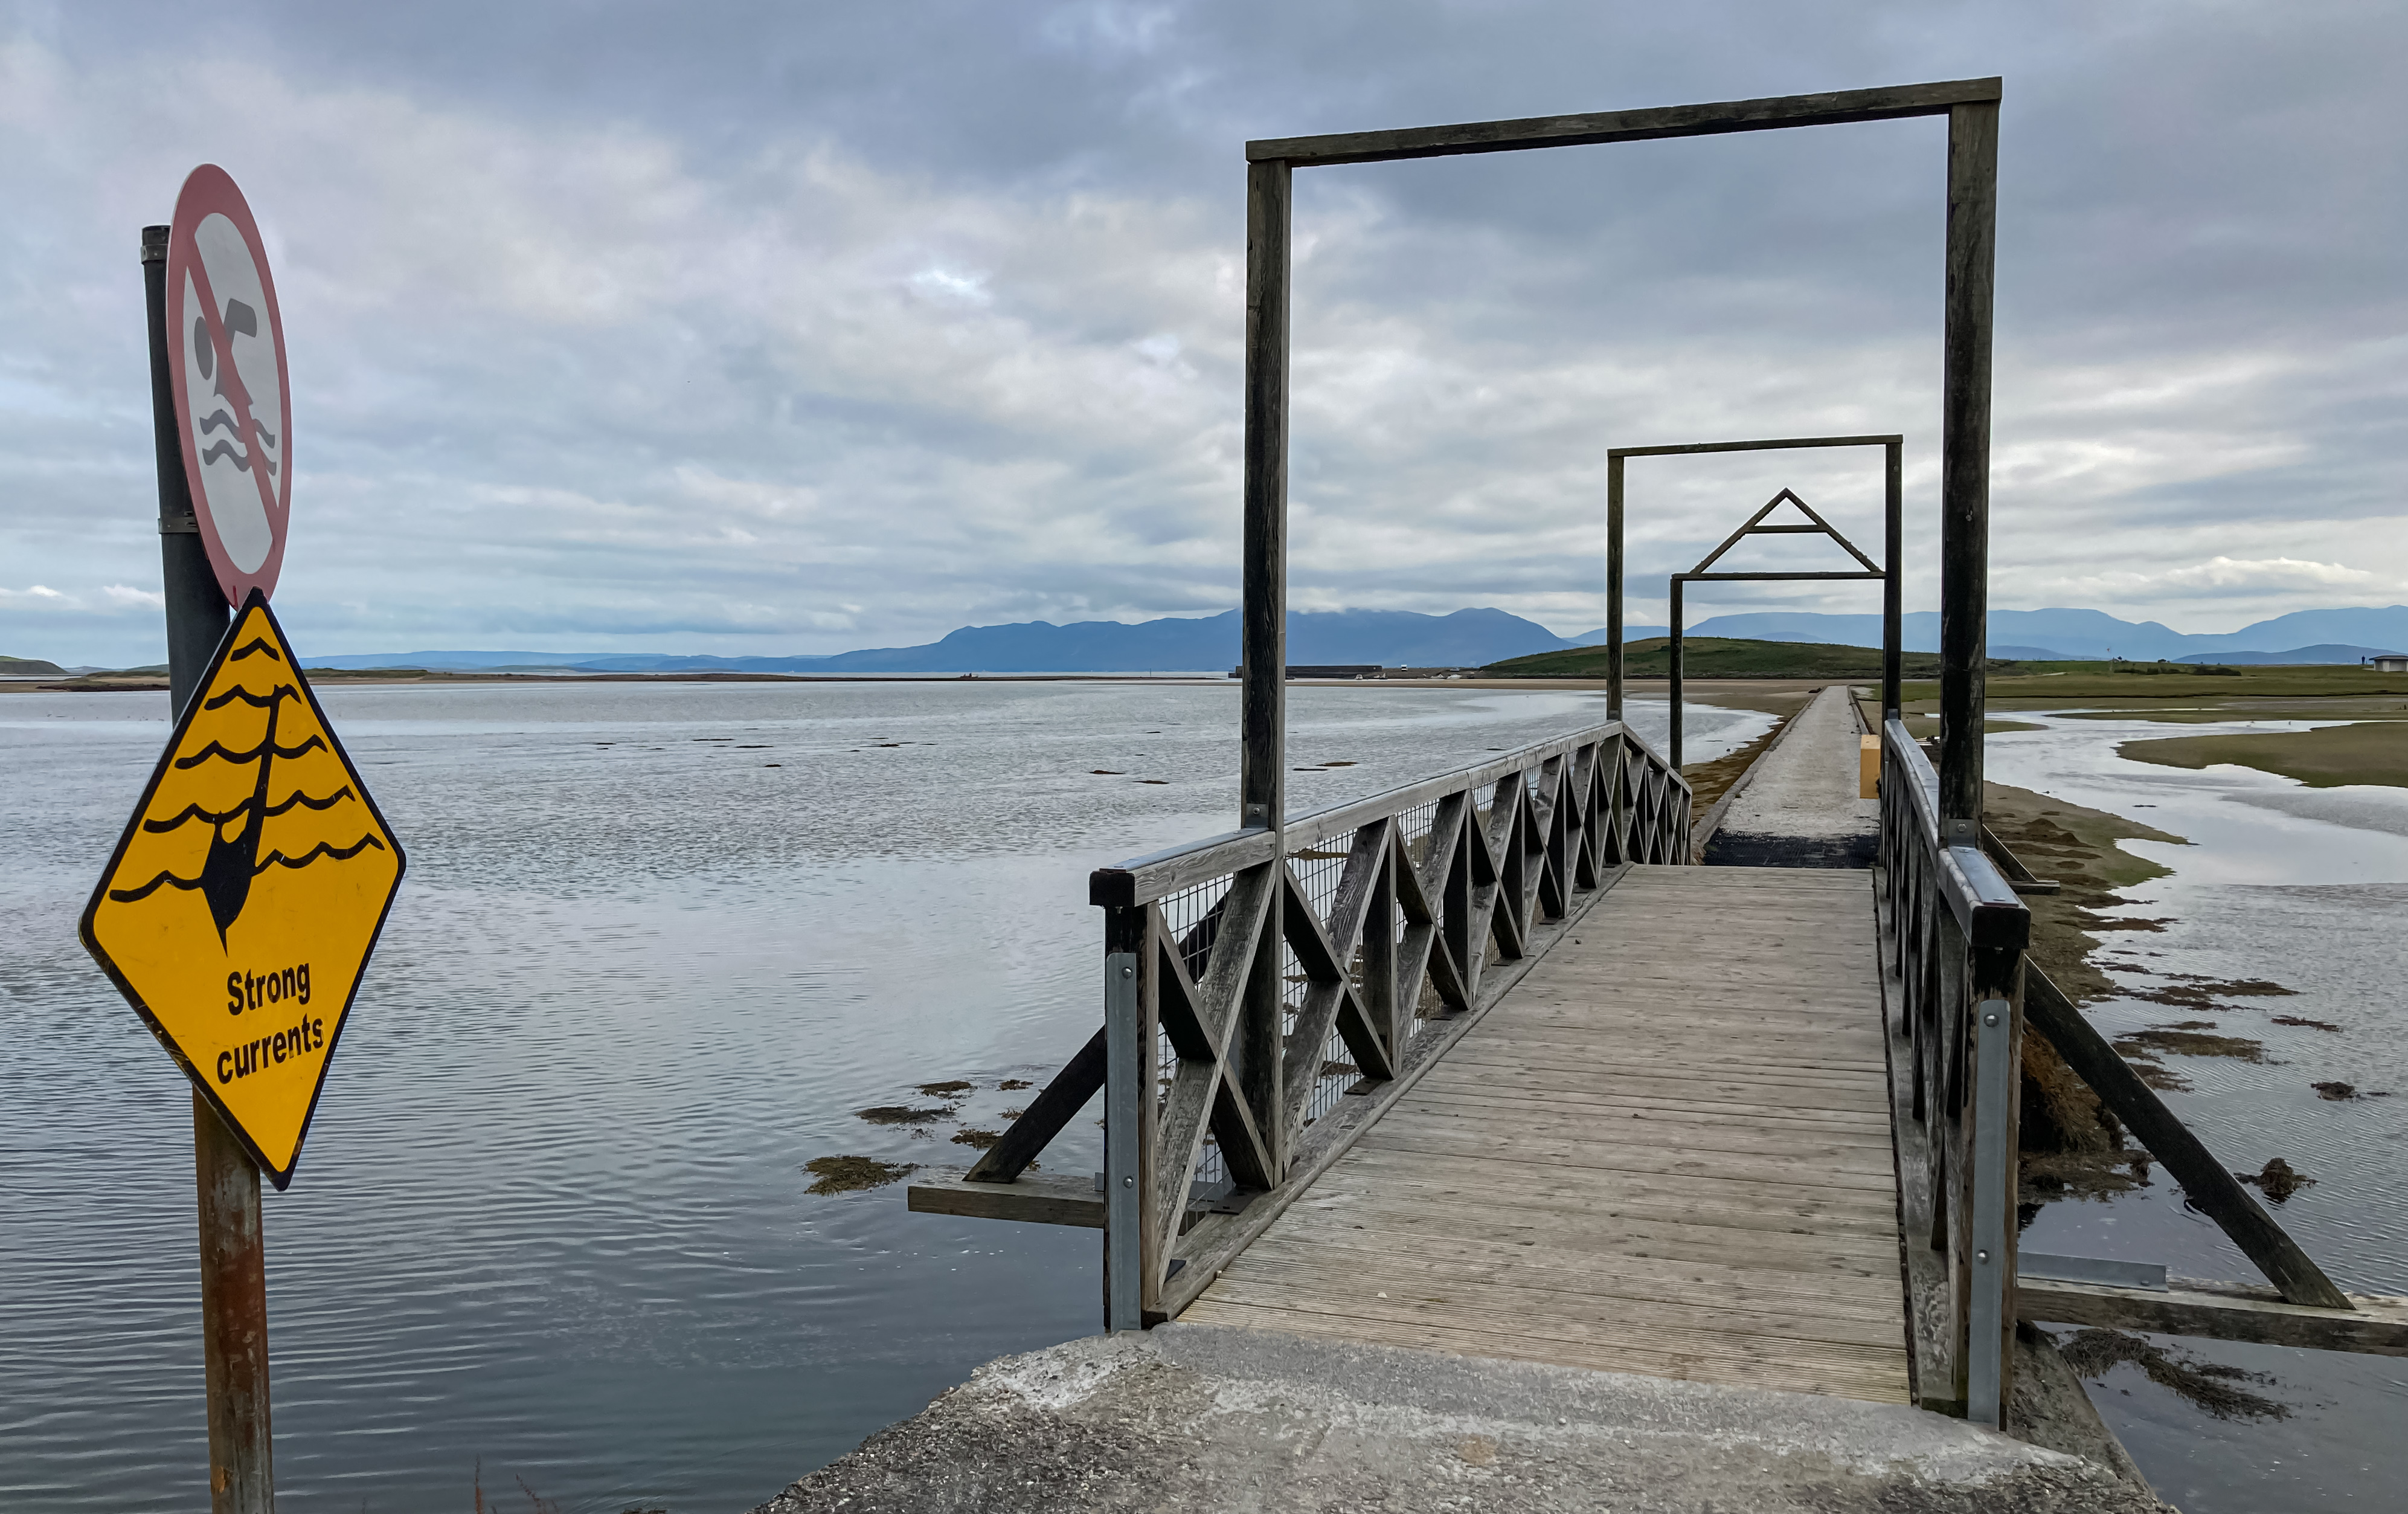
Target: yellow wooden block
x=1867 y=767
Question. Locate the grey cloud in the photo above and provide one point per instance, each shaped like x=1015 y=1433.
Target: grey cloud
x=771 y=328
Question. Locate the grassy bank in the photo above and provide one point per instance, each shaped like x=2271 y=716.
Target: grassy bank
x=2370 y=752
x=2072 y=1144
x=2038 y=684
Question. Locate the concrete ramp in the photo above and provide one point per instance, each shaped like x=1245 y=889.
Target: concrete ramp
x=1799 y=806
x=1201 y=1418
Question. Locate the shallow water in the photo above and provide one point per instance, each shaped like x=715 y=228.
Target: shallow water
x=2308 y=887
x=656 y=943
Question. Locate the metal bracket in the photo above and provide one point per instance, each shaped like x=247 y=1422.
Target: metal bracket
x=180 y=525
x=1989 y=1307
x=2143 y=1274
x=1127 y=1077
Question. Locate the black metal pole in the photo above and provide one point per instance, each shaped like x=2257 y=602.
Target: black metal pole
x=196 y=607
x=232 y=1251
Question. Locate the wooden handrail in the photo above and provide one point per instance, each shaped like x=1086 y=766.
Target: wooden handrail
x=1256 y=1021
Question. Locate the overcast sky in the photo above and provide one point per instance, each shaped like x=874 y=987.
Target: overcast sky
x=799 y=327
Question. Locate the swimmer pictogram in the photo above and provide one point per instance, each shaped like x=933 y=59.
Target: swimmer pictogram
x=248 y=892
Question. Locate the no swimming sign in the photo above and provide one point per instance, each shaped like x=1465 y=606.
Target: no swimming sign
x=233 y=400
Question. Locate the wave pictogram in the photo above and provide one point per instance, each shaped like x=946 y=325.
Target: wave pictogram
x=219 y=817
x=339 y=854
x=233 y=858
x=218 y=420
x=168 y=880
x=317 y=743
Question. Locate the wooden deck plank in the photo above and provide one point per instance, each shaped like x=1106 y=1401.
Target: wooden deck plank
x=1665 y=1151
x=1868 y=1296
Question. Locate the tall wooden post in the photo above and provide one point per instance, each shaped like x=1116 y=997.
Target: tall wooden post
x=1262 y=775
x=1893 y=531
x=233 y=1250
x=1994 y=991
x=1673 y=658
x=1613 y=587
x=1965 y=464
x=1262 y=780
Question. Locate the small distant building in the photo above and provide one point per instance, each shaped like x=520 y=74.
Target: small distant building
x=1323 y=670
x=2388 y=662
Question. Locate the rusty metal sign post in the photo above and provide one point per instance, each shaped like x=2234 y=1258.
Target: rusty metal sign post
x=239 y=911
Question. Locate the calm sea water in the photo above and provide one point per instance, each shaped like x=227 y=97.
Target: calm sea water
x=2308 y=887
x=656 y=943
x=659 y=941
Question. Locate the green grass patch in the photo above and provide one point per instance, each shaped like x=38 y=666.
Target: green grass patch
x=2086 y=683
x=2370 y=752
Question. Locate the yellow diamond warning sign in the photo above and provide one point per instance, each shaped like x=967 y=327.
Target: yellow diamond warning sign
x=248 y=891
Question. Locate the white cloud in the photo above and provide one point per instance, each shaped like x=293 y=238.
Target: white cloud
x=122 y=594
x=2230 y=576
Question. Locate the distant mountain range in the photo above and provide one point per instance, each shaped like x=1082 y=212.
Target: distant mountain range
x=1465 y=638
x=1210 y=643
x=2307 y=636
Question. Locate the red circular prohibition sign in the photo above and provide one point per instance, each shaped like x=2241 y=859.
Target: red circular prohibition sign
x=234 y=401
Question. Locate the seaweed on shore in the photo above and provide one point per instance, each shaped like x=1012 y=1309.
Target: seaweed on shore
x=2211 y=1386
x=2278 y=1180
x=2072 y=1143
x=902 y=1115
x=851 y=1174
x=2189 y=1038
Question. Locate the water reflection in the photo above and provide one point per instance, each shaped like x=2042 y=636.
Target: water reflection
x=2308 y=887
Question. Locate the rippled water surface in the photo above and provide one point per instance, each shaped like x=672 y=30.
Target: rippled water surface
x=2307 y=887
x=656 y=943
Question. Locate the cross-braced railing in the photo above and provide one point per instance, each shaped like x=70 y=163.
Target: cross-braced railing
x=1262 y=987
x=1953 y=934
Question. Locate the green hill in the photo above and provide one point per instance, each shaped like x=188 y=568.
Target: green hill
x=1718 y=656
x=28 y=668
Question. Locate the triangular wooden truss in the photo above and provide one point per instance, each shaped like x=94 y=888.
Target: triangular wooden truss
x=1756 y=527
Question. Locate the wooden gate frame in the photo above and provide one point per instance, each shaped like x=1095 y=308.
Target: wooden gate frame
x=1893 y=491
x=1971 y=107
x=1992 y=986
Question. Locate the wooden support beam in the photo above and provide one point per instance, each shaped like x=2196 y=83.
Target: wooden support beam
x=1052 y=1109
x=1614 y=585
x=2370 y=1324
x=1262 y=721
x=1893 y=499
x=1035 y=1198
x=1683 y=449
x=2205 y=1182
x=1836 y=107
x=1965 y=463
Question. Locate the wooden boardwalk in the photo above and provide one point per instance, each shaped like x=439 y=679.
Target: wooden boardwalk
x=1665 y=1151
